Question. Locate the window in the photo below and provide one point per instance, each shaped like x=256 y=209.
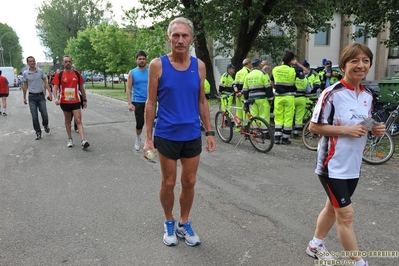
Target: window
x=360 y=30
x=394 y=52
x=277 y=31
x=322 y=37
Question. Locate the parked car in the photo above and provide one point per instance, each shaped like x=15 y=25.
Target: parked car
x=123 y=77
x=95 y=78
x=114 y=79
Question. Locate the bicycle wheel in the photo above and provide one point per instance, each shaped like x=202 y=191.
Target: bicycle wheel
x=378 y=150
x=223 y=126
x=309 y=139
x=261 y=134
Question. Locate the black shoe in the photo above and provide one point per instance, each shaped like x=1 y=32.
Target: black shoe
x=296 y=136
x=38 y=136
x=4 y=114
x=286 y=142
x=46 y=129
x=276 y=141
x=85 y=144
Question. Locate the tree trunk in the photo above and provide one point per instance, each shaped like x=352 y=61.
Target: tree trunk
x=201 y=49
x=247 y=38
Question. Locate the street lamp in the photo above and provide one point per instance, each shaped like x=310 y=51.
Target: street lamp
x=1 y=47
x=10 y=53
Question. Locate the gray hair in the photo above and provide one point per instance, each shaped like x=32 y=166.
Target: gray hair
x=182 y=21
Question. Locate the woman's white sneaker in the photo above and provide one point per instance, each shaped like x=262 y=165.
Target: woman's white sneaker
x=319 y=252
x=70 y=143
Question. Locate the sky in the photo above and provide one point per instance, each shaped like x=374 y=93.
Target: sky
x=23 y=20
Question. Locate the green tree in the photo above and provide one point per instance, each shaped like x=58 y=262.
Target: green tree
x=151 y=40
x=237 y=24
x=113 y=45
x=11 y=50
x=376 y=16
x=59 y=20
x=84 y=56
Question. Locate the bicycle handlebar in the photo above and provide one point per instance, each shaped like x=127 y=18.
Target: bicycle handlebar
x=225 y=94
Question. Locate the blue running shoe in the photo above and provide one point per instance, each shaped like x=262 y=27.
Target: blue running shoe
x=185 y=231
x=169 y=238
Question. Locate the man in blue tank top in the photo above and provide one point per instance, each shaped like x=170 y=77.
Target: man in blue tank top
x=136 y=92
x=176 y=81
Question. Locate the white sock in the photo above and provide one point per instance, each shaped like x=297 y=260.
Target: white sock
x=138 y=137
x=360 y=263
x=317 y=241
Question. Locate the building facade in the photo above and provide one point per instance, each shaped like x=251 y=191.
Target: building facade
x=329 y=45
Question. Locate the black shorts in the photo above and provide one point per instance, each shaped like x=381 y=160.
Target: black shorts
x=339 y=191
x=70 y=107
x=4 y=95
x=178 y=149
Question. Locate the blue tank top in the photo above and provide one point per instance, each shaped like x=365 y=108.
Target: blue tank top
x=140 y=83
x=178 y=96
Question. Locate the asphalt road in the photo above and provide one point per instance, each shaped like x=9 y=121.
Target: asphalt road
x=66 y=206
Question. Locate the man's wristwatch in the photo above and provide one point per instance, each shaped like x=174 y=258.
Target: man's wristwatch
x=210 y=133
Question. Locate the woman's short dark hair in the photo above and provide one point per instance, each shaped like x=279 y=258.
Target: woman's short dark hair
x=140 y=53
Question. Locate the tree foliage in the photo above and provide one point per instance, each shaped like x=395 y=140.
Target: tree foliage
x=110 y=49
x=59 y=20
x=237 y=24
x=12 y=51
x=376 y=16
x=84 y=56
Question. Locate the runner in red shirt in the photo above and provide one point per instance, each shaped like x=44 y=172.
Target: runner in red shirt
x=66 y=92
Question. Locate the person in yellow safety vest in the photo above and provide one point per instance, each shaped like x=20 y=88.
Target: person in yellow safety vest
x=257 y=86
x=239 y=84
x=226 y=85
x=265 y=67
x=314 y=80
x=300 y=104
x=283 y=80
x=328 y=76
x=207 y=87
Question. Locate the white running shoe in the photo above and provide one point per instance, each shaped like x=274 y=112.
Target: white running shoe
x=70 y=143
x=137 y=143
x=320 y=252
x=188 y=234
x=169 y=238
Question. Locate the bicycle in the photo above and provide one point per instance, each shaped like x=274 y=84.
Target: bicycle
x=379 y=150
x=380 y=113
x=309 y=139
x=254 y=128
